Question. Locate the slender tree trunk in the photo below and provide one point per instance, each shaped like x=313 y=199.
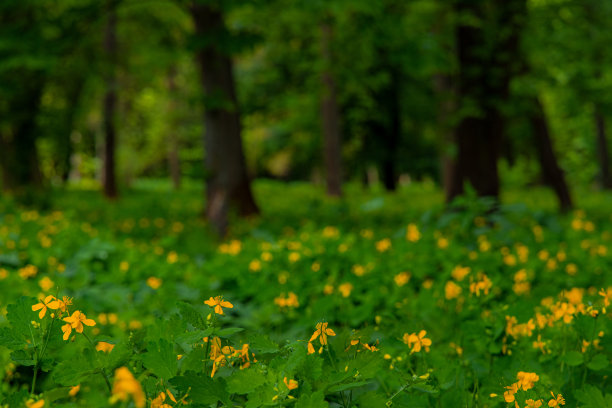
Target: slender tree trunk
x=393 y=133
x=110 y=105
x=18 y=154
x=443 y=86
x=603 y=152
x=174 y=163
x=553 y=175
x=227 y=184
x=330 y=118
x=65 y=149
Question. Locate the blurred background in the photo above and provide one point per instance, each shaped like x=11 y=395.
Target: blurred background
x=459 y=97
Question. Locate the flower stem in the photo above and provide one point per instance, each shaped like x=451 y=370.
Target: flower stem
x=101 y=371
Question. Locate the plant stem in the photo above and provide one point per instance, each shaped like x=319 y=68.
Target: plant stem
x=101 y=370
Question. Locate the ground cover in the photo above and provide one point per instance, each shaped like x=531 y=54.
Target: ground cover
x=375 y=300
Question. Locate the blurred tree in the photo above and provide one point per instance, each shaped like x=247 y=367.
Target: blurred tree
x=109 y=179
x=330 y=116
x=227 y=182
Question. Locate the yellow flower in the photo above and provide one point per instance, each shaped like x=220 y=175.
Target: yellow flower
x=417 y=342
x=527 y=380
x=255 y=265
x=383 y=245
x=218 y=303
x=159 y=401
x=533 y=404
x=291 y=384
x=76 y=322
x=401 y=278
x=321 y=332
x=45 y=283
x=556 y=401
x=43 y=305
x=37 y=404
x=442 y=243
x=451 y=290
x=74 y=390
x=126 y=385
x=105 y=347
x=345 y=289
x=412 y=233
x=154 y=283
x=460 y=272
x=511 y=390
x=172 y=257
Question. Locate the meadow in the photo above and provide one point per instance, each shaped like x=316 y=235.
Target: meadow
x=373 y=300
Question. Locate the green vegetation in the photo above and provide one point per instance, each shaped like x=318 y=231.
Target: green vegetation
x=517 y=291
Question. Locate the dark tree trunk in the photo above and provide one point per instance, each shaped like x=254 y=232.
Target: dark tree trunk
x=18 y=154
x=552 y=173
x=392 y=138
x=603 y=153
x=110 y=106
x=330 y=118
x=174 y=164
x=227 y=184
x=443 y=86
x=65 y=148
x=483 y=87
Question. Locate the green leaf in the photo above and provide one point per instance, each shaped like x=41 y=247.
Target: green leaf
x=225 y=333
x=72 y=372
x=11 y=339
x=193 y=337
x=161 y=359
x=194 y=360
x=202 y=389
x=349 y=386
x=191 y=315
x=20 y=315
x=598 y=362
x=245 y=381
x=573 y=358
x=23 y=358
x=314 y=400
x=262 y=344
x=591 y=397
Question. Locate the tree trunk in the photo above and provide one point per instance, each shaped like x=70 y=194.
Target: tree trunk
x=603 y=153
x=330 y=118
x=18 y=154
x=110 y=104
x=174 y=164
x=394 y=128
x=485 y=73
x=227 y=184
x=553 y=175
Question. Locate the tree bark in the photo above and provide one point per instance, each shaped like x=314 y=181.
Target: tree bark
x=483 y=87
x=110 y=106
x=552 y=173
x=227 y=182
x=603 y=152
x=330 y=118
x=18 y=154
x=174 y=164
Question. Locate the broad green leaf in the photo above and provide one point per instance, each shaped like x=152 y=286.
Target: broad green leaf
x=202 y=389
x=20 y=315
x=314 y=400
x=591 y=397
x=349 y=386
x=72 y=372
x=22 y=357
x=225 y=333
x=262 y=344
x=245 y=381
x=598 y=362
x=11 y=339
x=573 y=358
x=161 y=359
x=191 y=315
